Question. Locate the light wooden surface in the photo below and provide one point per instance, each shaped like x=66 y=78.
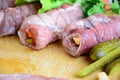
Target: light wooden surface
x=52 y=61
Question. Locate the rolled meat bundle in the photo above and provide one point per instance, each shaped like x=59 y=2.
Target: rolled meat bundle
x=37 y=31
x=26 y=77
x=11 y=18
x=6 y=3
x=80 y=36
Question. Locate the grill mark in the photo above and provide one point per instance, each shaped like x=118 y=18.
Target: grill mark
x=50 y=24
x=111 y=31
x=61 y=14
x=43 y=21
x=11 y=2
x=66 y=10
x=87 y=24
x=117 y=26
x=104 y=31
x=62 y=17
x=5 y=4
x=10 y=19
x=8 y=1
x=8 y=4
x=5 y=25
x=23 y=8
x=29 y=8
x=24 y=14
x=32 y=9
x=56 y=17
x=15 y=19
x=1 y=4
x=77 y=10
x=94 y=30
x=118 y=29
x=115 y=30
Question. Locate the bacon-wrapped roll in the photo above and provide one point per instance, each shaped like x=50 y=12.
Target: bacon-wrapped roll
x=11 y=18
x=37 y=31
x=81 y=36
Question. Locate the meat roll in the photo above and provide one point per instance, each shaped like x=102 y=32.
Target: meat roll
x=6 y=3
x=26 y=77
x=37 y=31
x=81 y=36
x=11 y=18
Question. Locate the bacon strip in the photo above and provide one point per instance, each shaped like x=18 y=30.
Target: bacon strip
x=47 y=27
x=89 y=32
x=11 y=18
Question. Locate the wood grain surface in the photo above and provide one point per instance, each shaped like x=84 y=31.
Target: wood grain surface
x=52 y=61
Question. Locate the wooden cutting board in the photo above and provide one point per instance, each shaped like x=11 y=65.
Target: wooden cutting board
x=52 y=61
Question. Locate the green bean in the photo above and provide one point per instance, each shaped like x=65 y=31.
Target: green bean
x=113 y=66
x=104 y=48
x=99 y=63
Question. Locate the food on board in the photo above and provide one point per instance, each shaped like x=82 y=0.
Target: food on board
x=79 y=37
x=37 y=31
x=90 y=31
x=11 y=18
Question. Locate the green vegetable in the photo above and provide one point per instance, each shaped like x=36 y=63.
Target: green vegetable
x=21 y=2
x=104 y=48
x=89 y=7
x=99 y=63
x=115 y=7
x=29 y=40
x=50 y=4
x=31 y=0
x=113 y=67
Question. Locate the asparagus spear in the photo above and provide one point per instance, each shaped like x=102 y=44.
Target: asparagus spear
x=112 y=67
x=99 y=63
x=104 y=48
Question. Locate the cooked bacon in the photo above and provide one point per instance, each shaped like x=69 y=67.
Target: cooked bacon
x=47 y=27
x=81 y=36
x=26 y=77
x=6 y=3
x=11 y=18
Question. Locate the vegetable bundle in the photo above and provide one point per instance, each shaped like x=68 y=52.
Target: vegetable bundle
x=111 y=55
x=37 y=31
